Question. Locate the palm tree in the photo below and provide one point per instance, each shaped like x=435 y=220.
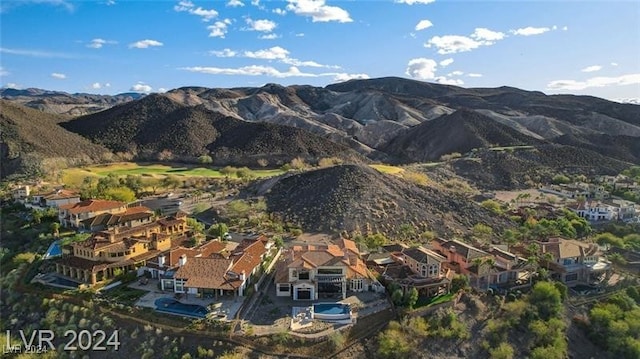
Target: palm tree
x=55 y=228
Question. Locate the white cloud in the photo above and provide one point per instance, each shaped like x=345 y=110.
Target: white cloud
x=188 y=6
x=224 y=53
x=342 y=77
x=529 y=31
x=96 y=85
x=614 y=64
x=593 y=68
x=423 y=24
x=219 y=28
x=274 y=53
x=318 y=11
x=59 y=76
x=447 y=81
x=554 y=27
x=630 y=79
x=141 y=87
x=269 y=37
x=487 y=36
x=279 y=11
x=411 y=2
x=421 y=68
x=456 y=73
x=162 y=90
x=474 y=75
x=451 y=44
x=300 y=34
x=235 y=3
x=3 y=72
x=253 y=70
x=261 y=25
x=143 y=44
x=36 y=53
x=565 y=28
x=12 y=85
x=99 y=43
x=446 y=62
x=110 y=2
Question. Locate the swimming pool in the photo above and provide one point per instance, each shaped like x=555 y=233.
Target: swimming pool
x=331 y=311
x=169 y=305
x=54 y=250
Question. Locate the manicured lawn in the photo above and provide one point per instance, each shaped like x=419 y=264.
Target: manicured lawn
x=387 y=169
x=426 y=302
x=75 y=176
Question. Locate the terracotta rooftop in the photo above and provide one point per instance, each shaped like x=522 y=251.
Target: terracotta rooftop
x=61 y=194
x=423 y=255
x=467 y=251
x=92 y=205
x=108 y=219
x=207 y=273
x=250 y=258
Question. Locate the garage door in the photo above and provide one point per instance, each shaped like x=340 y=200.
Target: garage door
x=304 y=294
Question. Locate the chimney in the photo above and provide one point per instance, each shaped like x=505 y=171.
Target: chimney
x=161 y=259
x=243 y=276
x=182 y=260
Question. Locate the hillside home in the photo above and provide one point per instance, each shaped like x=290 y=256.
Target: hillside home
x=56 y=198
x=595 y=211
x=317 y=271
x=21 y=193
x=495 y=268
x=71 y=215
x=131 y=217
x=106 y=254
x=211 y=271
x=573 y=262
x=626 y=210
x=422 y=269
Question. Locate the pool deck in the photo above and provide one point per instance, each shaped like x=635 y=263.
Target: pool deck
x=222 y=309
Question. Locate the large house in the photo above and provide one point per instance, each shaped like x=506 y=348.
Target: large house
x=131 y=217
x=419 y=268
x=212 y=269
x=485 y=269
x=595 y=211
x=56 y=198
x=571 y=261
x=71 y=215
x=107 y=254
x=314 y=271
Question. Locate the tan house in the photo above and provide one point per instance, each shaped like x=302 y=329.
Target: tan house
x=56 y=198
x=106 y=254
x=71 y=215
x=315 y=271
x=211 y=271
x=422 y=269
x=131 y=217
x=573 y=262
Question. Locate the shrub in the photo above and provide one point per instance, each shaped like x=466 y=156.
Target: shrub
x=502 y=351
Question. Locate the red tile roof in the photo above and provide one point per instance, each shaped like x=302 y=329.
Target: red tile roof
x=208 y=273
x=92 y=205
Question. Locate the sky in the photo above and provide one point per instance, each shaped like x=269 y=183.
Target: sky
x=115 y=46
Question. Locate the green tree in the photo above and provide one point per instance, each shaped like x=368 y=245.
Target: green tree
x=123 y=194
x=560 y=179
x=55 y=229
x=493 y=206
x=205 y=159
x=397 y=296
x=195 y=225
x=219 y=230
x=547 y=299
x=459 y=282
x=502 y=351
x=482 y=232
x=278 y=241
x=374 y=241
x=411 y=297
x=171 y=182
x=134 y=182
x=393 y=343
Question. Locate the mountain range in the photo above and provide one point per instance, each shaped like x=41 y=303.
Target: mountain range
x=391 y=120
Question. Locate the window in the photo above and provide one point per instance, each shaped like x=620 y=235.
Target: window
x=333 y=271
x=283 y=287
x=571 y=277
x=357 y=284
x=303 y=275
x=423 y=270
x=179 y=286
x=433 y=270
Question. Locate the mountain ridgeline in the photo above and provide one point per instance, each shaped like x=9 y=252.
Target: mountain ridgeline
x=392 y=120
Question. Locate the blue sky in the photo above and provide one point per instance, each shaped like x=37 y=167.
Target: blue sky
x=113 y=46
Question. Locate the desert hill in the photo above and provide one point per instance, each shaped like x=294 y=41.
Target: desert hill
x=157 y=123
x=30 y=137
x=354 y=197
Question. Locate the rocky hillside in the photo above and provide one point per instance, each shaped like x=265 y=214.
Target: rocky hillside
x=352 y=197
x=64 y=103
x=31 y=139
x=459 y=132
x=157 y=123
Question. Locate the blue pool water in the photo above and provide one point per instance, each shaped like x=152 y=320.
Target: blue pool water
x=170 y=305
x=331 y=308
x=54 y=250
x=65 y=282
